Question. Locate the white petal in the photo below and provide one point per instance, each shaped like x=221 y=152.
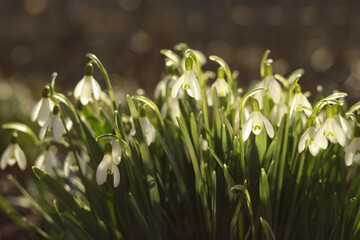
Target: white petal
x=78 y=88
x=35 y=110
x=67 y=163
x=346 y=126
x=96 y=89
x=246 y=127
x=314 y=150
x=195 y=86
x=68 y=123
x=302 y=141
x=339 y=133
x=44 y=128
x=6 y=156
x=163 y=111
x=257 y=123
x=58 y=128
x=44 y=112
x=319 y=134
x=116 y=151
x=160 y=89
x=323 y=143
x=269 y=128
x=349 y=157
x=222 y=87
x=20 y=157
x=116 y=175
x=274 y=89
x=148 y=130
x=39 y=162
x=86 y=91
x=101 y=171
x=179 y=82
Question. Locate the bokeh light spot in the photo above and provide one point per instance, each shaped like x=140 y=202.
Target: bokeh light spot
x=35 y=7
x=322 y=59
x=141 y=42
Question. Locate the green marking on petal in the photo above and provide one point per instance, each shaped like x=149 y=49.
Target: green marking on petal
x=299 y=109
x=257 y=127
x=187 y=86
x=330 y=134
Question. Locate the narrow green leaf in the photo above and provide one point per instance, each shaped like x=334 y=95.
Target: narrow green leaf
x=76 y=229
x=213 y=204
x=262 y=64
x=269 y=233
x=22 y=128
x=264 y=193
x=216 y=113
x=194 y=133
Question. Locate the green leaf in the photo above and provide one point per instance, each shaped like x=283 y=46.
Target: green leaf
x=194 y=133
x=264 y=193
x=216 y=113
x=139 y=216
x=249 y=206
x=213 y=204
x=70 y=204
x=79 y=232
x=269 y=233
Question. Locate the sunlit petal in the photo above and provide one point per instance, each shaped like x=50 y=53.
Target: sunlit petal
x=268 y=127
x=246 y=128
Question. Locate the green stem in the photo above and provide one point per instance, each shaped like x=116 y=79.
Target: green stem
x=106 y=76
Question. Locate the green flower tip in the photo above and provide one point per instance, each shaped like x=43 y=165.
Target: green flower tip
x=46 y=92
x=268 y=68
x=335 y=109
x=357 y=131
x=255 y=105
x=188 y=63
x=14 y=138
x=329 y=111
x=56 y=110
x=108 y=148
x=221 y=73
x=170 y=69
x=297 y=88
x=89 y=69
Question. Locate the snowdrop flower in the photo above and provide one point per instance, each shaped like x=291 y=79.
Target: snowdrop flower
x=147 y=128
x=48 y=162
x=70 y=164
x=167 y=82
x=331 y=130
x=278 y=112
x=300 y=102
x=87 y=87
x=221 y=86
x=255 y=122
x=345 y=125
x=352 y=151
x=188 y=81
x=270 y=83
x=173 y=108
x=54 y=123
x=13 y=154
x=42 y=109
x=307 y=139
x=108 y=165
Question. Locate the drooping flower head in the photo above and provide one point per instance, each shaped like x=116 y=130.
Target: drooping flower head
x=307 y=139
x=345 y=125
x=256 y=122
x=54 y=123
x=188 y=81
x=161 y=89
x=221 y=86
x=42 y=109
x=88 y=87
x=352 y=151
x=330 y=129
x=108 y=165
x=48 y=162
x=13 y=154
x=300 y=102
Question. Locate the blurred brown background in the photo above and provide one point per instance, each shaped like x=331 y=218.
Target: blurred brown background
x=38 y=37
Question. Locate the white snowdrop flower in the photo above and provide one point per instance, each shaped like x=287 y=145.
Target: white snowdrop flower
x=70 y=164
x=108 y=166
x=188 y=81
x=200 y=56
x=48 y=162
x=300 y=102
x=255 y=122
x=87 y=87
x=116 y=151
x=148 y=130
x=345 y=125
x=331 y=130
x=160 y=89
x=221 y=86
x=278 y=112
x=352 y=151
x=245 y=115
x=54 y=123
x=42 y=109
x=173 y=109
x=307 y=139
x=13 y=154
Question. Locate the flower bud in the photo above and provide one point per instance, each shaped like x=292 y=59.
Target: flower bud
x=89 y=69
x=220 y=73
x=45 y=92
x=255 y=105
x=188 y=63
x=329 y=111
